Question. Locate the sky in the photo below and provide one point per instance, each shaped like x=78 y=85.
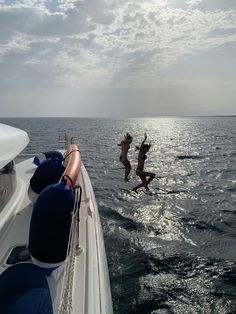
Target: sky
x=117 y=58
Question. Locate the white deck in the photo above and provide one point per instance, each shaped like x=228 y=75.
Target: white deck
x=91 y=287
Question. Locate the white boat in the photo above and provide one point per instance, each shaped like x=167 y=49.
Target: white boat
x=77 y=283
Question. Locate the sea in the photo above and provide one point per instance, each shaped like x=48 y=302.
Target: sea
x=173 y=249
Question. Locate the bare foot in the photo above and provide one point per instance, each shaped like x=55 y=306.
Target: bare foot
x=134 y=190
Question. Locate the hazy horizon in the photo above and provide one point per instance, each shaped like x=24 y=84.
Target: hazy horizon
x=116 y=117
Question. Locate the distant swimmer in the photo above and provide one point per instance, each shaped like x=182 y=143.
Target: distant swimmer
x=143 y=149
x=125 y=146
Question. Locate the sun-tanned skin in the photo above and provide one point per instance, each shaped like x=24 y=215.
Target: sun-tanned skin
x=143 y=149
x=125 y=145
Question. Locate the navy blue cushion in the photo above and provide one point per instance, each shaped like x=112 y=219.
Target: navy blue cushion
x=50 y=224
x=54 y=154
x=47 y=173
x=24 y=290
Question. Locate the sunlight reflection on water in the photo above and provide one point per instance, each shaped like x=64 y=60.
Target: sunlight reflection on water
x=172 y=250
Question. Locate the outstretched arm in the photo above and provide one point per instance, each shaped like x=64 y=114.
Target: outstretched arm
x=124 y=142
x=145 y=137
x=129 y=141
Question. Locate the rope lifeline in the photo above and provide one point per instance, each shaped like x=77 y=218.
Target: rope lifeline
x=65 y=307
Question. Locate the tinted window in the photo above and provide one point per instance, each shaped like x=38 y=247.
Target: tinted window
x=7 y=184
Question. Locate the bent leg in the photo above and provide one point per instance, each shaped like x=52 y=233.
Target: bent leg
x=144 y=182
x=127 y=169
x=151 y=176
x=127 y=165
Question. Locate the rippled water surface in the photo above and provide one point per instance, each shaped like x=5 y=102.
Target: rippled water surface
x=172 y=250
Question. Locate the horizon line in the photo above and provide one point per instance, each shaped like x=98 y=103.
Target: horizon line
x=119 y=117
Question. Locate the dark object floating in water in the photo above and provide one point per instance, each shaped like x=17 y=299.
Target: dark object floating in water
x=181 y=157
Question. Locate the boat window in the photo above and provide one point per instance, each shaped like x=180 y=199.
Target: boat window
x=9 y=168
x=18 y=254
x=7 y=183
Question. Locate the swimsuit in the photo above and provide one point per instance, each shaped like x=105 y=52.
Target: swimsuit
x=142 y=157
x=122 y=157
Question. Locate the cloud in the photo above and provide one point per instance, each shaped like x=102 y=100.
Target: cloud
x=97 y=10
x=148 y=27
x=170 y=33
x=37 y=22
x=107 y=44
x=193 y=3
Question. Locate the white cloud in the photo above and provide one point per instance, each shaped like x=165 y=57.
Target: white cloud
x=105 y=43
x=192 y=3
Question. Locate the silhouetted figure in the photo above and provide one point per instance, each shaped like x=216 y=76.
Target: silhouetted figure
x=125 y=146
x=143 y=149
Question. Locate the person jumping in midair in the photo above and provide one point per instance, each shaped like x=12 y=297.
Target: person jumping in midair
x=143 y=149
x=125 y=146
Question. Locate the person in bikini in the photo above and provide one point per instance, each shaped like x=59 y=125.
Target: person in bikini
x=125 y=146
x=143 y=149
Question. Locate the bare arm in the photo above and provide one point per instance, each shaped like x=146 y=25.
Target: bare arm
x=123 y=142
x=145 y=137
x=129 y=141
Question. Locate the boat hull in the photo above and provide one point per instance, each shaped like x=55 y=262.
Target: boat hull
x=89 y=278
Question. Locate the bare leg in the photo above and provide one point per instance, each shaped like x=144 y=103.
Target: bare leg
x=151 y=177
x=144 y=182
x=127 y=165
x=127 y=171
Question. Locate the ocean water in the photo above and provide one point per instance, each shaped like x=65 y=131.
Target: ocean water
x=172 y=250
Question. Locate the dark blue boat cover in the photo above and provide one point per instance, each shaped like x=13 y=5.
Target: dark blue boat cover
x=24 y=290
x=51 y=154
x=47 y=173
x=54 y=154
x=50 y=224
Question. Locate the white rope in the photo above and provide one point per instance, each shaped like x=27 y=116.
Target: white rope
x=65 y=306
